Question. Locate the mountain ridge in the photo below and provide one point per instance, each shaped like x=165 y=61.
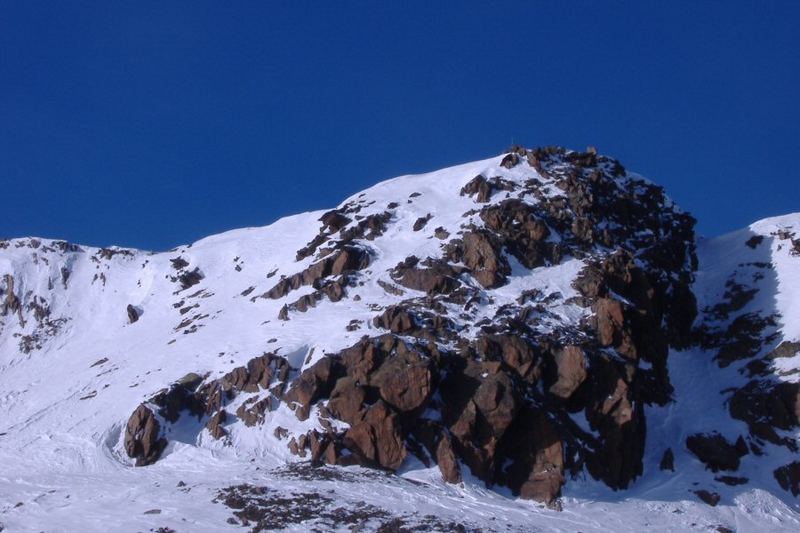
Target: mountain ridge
x=600 y=260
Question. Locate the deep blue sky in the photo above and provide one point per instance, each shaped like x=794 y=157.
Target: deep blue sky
x=152 y=124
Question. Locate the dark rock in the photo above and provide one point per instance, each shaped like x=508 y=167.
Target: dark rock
x=765 y=405
x=711 y=498
x=252 y=412
x=190 y=279
x=754 y=241
x=535 y=467
x=521 y=232
x=788 y=477
x=421 y=222
x=731 y=480
x=283 y=314
x=614 y=413
x=514 y=351
x=133 y=314
x=510 y=161
x=667 y=461
x=347 y=400
x=179 y=263
x=11 y=303
x=714 y=450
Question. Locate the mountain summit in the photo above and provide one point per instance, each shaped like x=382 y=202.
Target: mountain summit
x=471 y=349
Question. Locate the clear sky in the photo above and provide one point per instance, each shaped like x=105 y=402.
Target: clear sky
x=152 y=124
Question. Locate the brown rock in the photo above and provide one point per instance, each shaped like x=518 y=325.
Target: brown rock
x=480 y=186
x=362 y=359
x=514 y=351
x=214 y=425
x=347 y=400
x=422 y=222
x=12 y=303
x=546 y=473
x=612 y=329
x=396 y=319
x=252 y=412
x=377 y=439
x=510 y=161
x=313 y=383
x=333 y=221
x=143 y=440
x=404 y=381
x=571 y=368
x=433 y=276
x=521 y=231
x=447 y=461
x=614 y=413
x=483 y=257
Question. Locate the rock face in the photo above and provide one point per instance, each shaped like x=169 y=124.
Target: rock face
x=492 y=394
x=493 y=418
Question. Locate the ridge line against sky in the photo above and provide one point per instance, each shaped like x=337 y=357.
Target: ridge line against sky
x=157 y=124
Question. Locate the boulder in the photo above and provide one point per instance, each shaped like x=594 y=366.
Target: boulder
x=480 y=186
x=133 y=314
x=143 y=441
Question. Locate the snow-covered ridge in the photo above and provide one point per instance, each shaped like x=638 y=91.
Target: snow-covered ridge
x=547 y=247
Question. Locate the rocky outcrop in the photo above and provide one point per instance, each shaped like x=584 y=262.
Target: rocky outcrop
x=431 y=276
x=346 y=260
x=766 y=406
x=464 y=375
x=143 y=441
x=481 y=252
x=716 y=452
x=788 y=477
x=195 y=397
x=523 y=234
x=11 y=303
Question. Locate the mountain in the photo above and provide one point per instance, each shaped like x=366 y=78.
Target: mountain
x=533 y=342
